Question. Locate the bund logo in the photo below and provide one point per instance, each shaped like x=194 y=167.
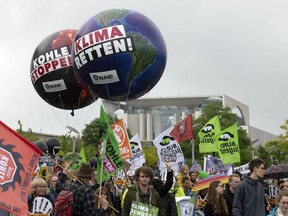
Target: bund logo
x=208 y=128
x=226 y=136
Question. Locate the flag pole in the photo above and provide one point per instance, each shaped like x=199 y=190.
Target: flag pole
x=193 y=149
x=100 y=185
x=102 y=155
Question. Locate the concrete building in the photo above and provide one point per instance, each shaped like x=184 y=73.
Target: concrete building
x=149 y=117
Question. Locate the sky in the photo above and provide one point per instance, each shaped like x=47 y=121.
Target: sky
x=236 y=48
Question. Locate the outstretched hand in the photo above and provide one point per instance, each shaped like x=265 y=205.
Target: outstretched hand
x=168 y=166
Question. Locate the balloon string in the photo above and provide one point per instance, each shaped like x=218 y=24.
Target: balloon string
x=67 y=120
x=109 y=99
x=127 y=96
x=91 y=108
x=141 y=101
x=57 y=117
x=78 y=106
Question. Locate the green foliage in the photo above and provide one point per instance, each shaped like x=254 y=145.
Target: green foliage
x=150 y=155
x=277 y=149
x=29 y=135
x=90 y=134
x=90 y=151
x=264 y=154
x=186 y=147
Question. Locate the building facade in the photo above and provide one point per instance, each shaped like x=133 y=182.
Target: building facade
x=149 y=117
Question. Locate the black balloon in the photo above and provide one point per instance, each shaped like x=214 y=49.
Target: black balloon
x=42 y=146
x=53 y=76
x=53 y=145
x=93 y=162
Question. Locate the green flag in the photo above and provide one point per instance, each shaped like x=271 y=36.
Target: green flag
x=83 y=156
x=228 y=145
x=206 y=135
x=110 y=160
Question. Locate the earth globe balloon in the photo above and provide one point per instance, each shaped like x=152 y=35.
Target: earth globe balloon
x=53 y=76
x=42 y=146
x=119 y=54
x=53 y=145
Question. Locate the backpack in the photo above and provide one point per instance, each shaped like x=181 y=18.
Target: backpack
x=64 y=204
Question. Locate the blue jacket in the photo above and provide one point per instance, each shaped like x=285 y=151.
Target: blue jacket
x=273 y=211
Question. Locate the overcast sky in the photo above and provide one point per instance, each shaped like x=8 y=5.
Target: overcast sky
x=236 y=48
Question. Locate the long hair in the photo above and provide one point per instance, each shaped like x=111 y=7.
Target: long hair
x=217 y=201
x=109 y=210
x=37 y=181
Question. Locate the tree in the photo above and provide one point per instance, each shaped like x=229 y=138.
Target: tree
x=277 y=149
x=29 y=135
x=150 y=155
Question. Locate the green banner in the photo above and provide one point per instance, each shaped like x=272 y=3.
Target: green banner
x=138 y=208
x=83 y=155
x=228 y=145
x=110 y=159
x=206 y=135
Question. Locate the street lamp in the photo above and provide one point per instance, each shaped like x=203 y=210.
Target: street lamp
x=72 y=129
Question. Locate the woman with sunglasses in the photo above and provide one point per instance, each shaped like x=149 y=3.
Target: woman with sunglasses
x=282 y=205
x=216 y=204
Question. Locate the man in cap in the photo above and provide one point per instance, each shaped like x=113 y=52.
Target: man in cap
x=84 y=197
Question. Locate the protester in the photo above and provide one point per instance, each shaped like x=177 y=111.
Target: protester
x=105 y=193
x=184 y=172
x=228 y=194
x=133 y=184
x=285 y=185
x=164 y=188
x=215 y=202
x=168 y=200
x=193 y=177
x=282 y=205
x=157 y=172
x=39 y=188
x=249 y=197
x=185 y=188
x=281 y=184
x=93 y=182
x=52 y=180
x=115 y=194
x=84 y=202
x=142 y=194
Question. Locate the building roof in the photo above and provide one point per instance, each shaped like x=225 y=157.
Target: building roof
x=170 y=102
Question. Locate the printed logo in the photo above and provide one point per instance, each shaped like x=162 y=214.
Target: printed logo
x=208 y=128
x=182 y=128
x=54 y=86
x=104 y=77
x=10 y=167
x=226 y=136
x=119 y=134
x=133 y=145
x=166 y=140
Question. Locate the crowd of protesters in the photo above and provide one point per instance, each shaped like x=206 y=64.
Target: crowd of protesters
x=243 y=195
